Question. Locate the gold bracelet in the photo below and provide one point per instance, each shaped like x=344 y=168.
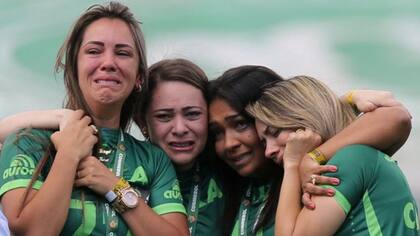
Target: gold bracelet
x=349 y=98
x=318 y=156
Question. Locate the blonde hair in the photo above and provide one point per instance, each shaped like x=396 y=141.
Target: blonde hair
x=302 y=102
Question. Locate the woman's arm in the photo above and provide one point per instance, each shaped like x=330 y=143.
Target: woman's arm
x=324 y=220
x=45 y=119
x=141 y=220
x=288 y=208
x=386 y=128
x=392 y=123
x=52 y=200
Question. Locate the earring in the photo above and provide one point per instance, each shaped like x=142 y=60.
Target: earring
x=145 y=133
x=137 y=88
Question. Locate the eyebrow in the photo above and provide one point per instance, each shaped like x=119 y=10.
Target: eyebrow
x=183 y=109
x=233 y=117
x=100 y=43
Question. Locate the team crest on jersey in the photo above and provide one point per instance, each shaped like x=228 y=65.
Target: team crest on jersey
x=174 y=192
x=21 y=165
x=139 y=176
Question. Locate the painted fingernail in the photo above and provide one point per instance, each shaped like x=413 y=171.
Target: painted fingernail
x=335 y=181
x=330 y=192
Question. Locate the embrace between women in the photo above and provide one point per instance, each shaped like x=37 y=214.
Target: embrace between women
x=87 y=176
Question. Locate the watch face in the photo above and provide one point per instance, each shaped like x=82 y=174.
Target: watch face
x=130 y=198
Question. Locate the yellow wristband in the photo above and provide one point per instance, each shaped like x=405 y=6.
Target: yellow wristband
x=318 y=156
x=349 y=97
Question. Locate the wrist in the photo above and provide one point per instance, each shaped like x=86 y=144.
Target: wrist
x=67 y=155
x=349 y=97
x=122 y=197
x=317 y=156
x=291 y=165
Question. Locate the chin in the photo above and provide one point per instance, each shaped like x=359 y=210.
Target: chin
x=245 y=171
x=182 y=159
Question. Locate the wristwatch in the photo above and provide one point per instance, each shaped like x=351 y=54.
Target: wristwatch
x=123 y=197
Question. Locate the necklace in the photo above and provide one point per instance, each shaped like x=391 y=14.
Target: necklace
x=194 y=203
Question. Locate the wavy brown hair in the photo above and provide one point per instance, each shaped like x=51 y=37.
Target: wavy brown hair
x=67 y=61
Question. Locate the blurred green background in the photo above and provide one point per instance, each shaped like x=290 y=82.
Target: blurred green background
x=351 y=44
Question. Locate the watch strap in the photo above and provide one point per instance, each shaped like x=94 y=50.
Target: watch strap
x=110 y=196
x=120 y=187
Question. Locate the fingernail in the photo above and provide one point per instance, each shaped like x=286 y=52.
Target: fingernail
x=333 y=168
x=312 y=206
x=335 y=181
x=330 y=192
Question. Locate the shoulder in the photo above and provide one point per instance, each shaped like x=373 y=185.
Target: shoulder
x=356 y=151
x=34 y=139
x=356 y=157
x=146 y=151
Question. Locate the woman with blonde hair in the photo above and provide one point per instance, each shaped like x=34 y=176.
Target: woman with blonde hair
x=373 y=198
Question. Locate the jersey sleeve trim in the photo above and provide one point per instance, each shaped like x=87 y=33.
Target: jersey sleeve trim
x=341 y=199
x=169 y=208
x=371 y=218
x=19 y=183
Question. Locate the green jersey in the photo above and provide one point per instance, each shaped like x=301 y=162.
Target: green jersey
x=249 y=213
x=373 y=193
x=201 y=188
x=146 y=167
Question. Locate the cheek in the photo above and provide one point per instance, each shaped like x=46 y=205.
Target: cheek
x=251 y=139
x=158 y=131
x=281 y=140
x=200 y=127
x=219 y=148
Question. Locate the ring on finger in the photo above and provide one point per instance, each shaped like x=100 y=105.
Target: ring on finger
x=95 y=130
x=313 y=179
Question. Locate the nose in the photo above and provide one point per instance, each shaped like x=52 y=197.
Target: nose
x=108 y=63
x=179 y=128
x=231 y=142
x=271 y=150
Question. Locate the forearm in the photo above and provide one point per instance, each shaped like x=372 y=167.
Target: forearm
x=48 y=119
x=142 y=220
x=51 y=202
x=289 y=203
x=386 y=128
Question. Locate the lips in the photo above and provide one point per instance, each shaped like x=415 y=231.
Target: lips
x=107 y=81
x=240 y=159
x=182 y=145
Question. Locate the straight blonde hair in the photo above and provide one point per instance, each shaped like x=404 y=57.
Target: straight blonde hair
x=302 y=102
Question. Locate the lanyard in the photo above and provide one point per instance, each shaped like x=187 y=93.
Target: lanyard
x=244 y=212
x=194 y=203
x=109 y=214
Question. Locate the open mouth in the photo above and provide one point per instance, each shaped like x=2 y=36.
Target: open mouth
x=182 y=146
x=107 y=82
